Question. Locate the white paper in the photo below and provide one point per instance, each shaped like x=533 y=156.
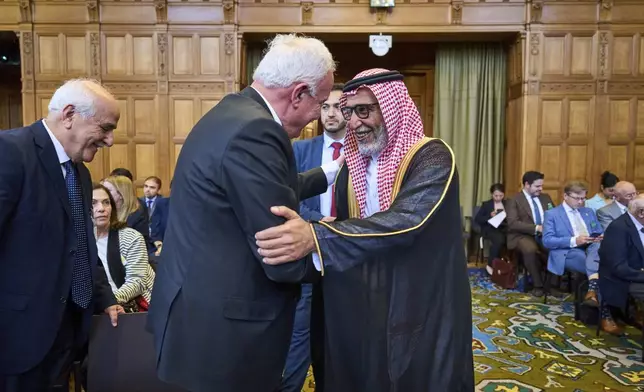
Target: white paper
x=497 y=219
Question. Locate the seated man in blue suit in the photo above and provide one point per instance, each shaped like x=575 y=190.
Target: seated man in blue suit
x=572 y=234
x=309 y=154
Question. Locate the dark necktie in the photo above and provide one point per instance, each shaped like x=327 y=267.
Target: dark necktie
x=336 y=154
x=537 y=214
x=150 y=205
x=81 y=272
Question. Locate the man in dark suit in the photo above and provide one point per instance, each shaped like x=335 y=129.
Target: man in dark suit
x=309 y=154
x=621 y=266
x=51 y=281
x=221 y=317
x=525 y=216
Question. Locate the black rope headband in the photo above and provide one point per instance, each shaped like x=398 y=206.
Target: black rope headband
x=372 y=79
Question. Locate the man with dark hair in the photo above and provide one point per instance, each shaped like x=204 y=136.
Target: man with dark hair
x=572 y=233
x=525 y=216
x=121 y=171
x=309 y=154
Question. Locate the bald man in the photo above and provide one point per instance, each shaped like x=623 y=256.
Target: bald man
x=51 y=281
x=624 y=193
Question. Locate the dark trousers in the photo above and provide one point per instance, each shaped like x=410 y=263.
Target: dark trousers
x=497 y=242
x=636 y=290
x=533 y=255
x=54 y=368
x=299 y=354
x=318 y=340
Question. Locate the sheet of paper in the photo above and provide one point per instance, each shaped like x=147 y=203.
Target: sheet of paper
x=497 y=219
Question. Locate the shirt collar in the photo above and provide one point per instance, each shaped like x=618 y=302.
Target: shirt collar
x=328 y=140
x=527 y=195
x=638 y=225
x=270 y=108
x=60 y=151
x=620 y=205
x=567 y=207
x=152 y=199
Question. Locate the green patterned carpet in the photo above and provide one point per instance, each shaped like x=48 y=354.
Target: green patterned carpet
x=522 y=345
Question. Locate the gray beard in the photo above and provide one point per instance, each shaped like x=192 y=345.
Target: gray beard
x=375 y=147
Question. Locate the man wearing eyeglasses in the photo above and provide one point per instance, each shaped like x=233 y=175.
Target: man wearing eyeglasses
x=572 y=233
x=397 y=308
x=624 y=193
x=621 y=270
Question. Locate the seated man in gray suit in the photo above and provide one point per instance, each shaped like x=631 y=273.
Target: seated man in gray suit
x=624 y=193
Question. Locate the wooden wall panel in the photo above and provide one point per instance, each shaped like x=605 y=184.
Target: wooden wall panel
x=575 y=69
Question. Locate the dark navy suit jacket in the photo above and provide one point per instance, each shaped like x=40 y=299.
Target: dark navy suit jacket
x=37 y=248
x=159 y=220
x=308 y=155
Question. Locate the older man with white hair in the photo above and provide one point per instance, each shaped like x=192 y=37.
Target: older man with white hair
x=621 y=266
x=50 y=279
x=624 y=193
x=222 y=319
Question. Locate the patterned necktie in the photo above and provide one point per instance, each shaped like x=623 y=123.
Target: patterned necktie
x=81 y=272
x=150 y=206
x=336 y=154
x=581 y=227
x=537 y=214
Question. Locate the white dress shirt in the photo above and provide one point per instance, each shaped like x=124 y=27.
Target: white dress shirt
x=327 y=156
x=621 y=206
x=60 y=151
x=101 y=245
x=536 y=199
x=638 y=226
x=573 y=222
x=373 y=201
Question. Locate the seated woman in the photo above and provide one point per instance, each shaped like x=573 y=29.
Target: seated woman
x=128 y=207
x=496 y=235
x=122 y=252
x=606 y=192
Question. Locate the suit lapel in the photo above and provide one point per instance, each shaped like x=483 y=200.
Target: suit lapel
x=563 y=214
x=49 y=160
x=318 y=147
x=635 y=236
x=523 y=202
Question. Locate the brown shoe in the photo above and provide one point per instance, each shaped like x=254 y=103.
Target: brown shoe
x=609 y=325
x=591 y=299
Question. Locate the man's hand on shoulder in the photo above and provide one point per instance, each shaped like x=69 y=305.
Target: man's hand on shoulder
x=288 y=242
x=114 y=311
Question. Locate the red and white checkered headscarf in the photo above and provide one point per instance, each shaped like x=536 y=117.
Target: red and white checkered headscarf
x=404 y=129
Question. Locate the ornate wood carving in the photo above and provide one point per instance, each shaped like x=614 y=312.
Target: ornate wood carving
x=27 y=53
x=162 y=44
x=602 y=87
x=229 y=11
x=188 y=88
x=92 y=10
x=635 y=87
x=132 y=87
x=603 y=54
x=533 y=88
x=25 y=11
x=534 y=53
x=229 y=43
x=161 y=7
x=536 y=9
x=49 y=86
x=605 y=10
x=307 y=13
x=457 y=12
x=95 y=50
x=567 y=88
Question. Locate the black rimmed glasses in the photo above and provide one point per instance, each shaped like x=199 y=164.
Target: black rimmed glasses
x=362 y=110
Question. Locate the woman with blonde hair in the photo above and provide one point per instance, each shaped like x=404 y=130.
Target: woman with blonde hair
x=128 y=208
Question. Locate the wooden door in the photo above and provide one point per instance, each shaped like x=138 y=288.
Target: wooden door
x=420 y=84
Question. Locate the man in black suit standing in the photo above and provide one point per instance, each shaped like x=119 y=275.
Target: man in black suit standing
x=621 y=266
x=221 y=318
x=51 y=281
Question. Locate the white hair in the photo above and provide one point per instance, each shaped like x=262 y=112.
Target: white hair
x=291 y=59
x=79 y=93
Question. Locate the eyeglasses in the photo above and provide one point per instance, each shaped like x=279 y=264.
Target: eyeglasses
x=362 y=111
x=577 y=198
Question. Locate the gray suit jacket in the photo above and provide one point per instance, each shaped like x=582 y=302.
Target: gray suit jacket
x=608 y=213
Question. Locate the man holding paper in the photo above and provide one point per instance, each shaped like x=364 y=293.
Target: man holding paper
x=491 y=217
